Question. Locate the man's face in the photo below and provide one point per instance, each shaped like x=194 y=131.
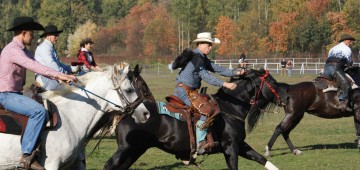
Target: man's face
x=53 y=38
x=205 y=47
x=28 y=37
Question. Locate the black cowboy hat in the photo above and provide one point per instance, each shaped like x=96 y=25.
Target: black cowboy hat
x=86 y=41
x=50 y=30
x=346 y=37
x=25 y=23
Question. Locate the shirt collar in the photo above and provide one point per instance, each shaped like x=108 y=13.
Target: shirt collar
x=84 y=49
x=48 y=42
x=18 y=43
x=199 y=52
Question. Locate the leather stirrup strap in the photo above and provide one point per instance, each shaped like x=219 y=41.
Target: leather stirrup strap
x=191 y=136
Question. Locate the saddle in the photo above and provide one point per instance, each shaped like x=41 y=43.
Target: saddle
x=201 y=104
x=14 y=123
x=326 y=85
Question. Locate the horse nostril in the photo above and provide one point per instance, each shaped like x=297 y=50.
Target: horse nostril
x=146 y=115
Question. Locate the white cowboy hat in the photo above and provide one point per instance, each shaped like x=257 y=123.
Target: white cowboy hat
x=206 y=37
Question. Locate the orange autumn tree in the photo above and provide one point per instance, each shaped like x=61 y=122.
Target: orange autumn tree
x=159 y=35
x=279 y=32
x=224 y=31
x=338 y=24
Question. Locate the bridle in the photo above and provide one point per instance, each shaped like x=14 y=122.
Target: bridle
x=129 y=107
x=263 y=78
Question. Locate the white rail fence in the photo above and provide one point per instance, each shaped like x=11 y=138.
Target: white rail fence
x=300 y=66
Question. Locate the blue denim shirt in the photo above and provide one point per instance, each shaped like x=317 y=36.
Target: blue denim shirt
x=192 y=77
x=46 y=54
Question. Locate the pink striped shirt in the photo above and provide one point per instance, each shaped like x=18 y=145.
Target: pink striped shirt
x=14 y=60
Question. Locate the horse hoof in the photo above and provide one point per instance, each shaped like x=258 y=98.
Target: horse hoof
x=297 y=152
x=186 y=162
x=267 y=152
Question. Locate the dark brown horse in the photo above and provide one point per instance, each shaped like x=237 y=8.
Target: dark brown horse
x=306 y=97
x=171 y=135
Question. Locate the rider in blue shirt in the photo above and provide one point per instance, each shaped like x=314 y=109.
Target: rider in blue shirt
x=191 y=75
x=46 y=54
x=340 y=56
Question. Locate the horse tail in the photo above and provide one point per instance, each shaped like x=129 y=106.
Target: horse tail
x=255 y=113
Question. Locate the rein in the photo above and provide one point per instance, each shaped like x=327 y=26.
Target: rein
x=83 y=89
x=263 y=81
x=130 y=107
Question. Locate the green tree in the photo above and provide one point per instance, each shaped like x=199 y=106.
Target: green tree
x=86 y=30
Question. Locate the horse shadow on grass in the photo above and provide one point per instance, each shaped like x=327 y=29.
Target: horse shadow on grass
x=346 y=145
x=173 y=166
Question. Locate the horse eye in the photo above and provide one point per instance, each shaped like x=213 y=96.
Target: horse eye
x=129 y=90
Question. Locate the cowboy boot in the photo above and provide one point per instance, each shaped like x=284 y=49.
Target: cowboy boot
x=29 y=163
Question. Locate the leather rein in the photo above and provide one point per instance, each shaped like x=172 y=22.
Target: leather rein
x=257 y=92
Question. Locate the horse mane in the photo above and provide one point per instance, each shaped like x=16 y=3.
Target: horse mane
x=83 y=81
x=257 y=110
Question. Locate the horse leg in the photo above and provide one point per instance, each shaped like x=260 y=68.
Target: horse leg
x=272 y=140
x=286 y=125
x=286 y=133
x=249 y=153
x=123 y=158
x=357 y=127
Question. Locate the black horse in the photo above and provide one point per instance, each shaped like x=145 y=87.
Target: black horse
x=171 y=135
x=307 y=97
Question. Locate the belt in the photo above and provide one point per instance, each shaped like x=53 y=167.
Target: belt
x=186 y=87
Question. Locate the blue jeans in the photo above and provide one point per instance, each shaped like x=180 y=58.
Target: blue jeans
x=181 y=93
x=24 y=105
x=48 y=84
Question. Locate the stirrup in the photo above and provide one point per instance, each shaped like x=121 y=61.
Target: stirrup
x=27 y=160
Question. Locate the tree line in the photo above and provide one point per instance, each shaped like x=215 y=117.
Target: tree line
x=158 y=29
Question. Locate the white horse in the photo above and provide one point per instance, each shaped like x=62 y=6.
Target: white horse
x=63 y=147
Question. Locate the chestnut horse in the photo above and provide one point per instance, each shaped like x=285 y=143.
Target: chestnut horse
x=306 y=97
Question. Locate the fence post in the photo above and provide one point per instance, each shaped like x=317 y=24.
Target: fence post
x=302 y=69
x=230 y=66
x=158 y=68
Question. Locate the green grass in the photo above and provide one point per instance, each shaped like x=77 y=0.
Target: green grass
x=326 y=144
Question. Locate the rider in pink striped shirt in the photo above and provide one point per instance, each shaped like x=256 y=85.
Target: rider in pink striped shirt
x=15 y=59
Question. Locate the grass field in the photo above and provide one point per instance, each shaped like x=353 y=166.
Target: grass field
x=326 y=144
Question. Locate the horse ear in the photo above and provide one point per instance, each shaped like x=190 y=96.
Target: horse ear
x=115 y=70
x=137 y=69
x=126 y=69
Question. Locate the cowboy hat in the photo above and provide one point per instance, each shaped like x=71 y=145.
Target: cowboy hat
x=206 y=37
x=25 y=23
x=50 y=30
x=346 y=37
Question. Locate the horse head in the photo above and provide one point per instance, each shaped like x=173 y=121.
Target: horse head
x=140 y=85
x=125 y=93
x=260 y=90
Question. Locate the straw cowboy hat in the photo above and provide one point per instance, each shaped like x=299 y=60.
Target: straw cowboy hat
x=346 y=37
x=206 y=37
x=25 y=23
x=50 y=30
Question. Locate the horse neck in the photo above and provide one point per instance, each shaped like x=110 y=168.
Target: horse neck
x=79 y=112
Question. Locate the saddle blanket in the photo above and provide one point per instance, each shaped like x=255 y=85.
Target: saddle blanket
x=164 y=111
